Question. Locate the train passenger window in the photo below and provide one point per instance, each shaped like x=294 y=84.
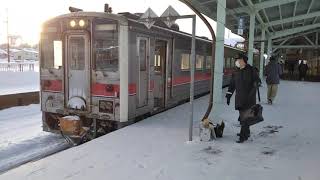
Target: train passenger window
x=208 y=62
x=105 y=46
x=157 y=62
x=57 y=49
x=228 y=65
x=199 y=62
x=185 y=61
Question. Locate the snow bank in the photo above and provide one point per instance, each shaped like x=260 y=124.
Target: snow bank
x=19 y=82
x=285 y=146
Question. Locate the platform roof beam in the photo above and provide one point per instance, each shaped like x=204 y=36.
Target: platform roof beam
x=292 y=19
x=309 y=8
x=308 y=40
x=295 y=35
x=287 y=32
x=259 y=6
x=297 y=47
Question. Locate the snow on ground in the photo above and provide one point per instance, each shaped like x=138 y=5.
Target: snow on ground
x=22 y=138
x=18 y=82
x=285 y=146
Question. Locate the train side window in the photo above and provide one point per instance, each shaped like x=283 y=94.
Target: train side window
x=106 y=55
x=157 y=62
x=185 y=61
x=143 y=54
x=208 y=62
x=57 y=54
x=228 y=63
x=232 y=63
x=199 y=62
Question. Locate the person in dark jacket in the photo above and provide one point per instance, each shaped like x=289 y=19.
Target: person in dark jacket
x=273 y=72
x=303 y=68
x=244 y=82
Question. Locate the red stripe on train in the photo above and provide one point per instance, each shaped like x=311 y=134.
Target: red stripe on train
x=110 y=90
x=51 y=85
x=186 y=79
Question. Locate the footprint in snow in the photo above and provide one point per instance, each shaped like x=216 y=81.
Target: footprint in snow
x=268 y=151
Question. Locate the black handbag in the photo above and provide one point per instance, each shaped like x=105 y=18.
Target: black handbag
x=254 y=114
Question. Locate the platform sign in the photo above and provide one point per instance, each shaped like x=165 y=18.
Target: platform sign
x=240 y=26
x=170 y=15
x=147 y=18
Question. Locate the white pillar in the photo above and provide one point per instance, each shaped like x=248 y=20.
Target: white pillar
x=269 y=48
x=263 y=37
x=251 y=38
x=219 y=59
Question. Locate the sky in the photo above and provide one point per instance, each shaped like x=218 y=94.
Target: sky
x=27 y=16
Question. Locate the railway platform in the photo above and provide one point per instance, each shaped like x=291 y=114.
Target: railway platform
x=284 y=146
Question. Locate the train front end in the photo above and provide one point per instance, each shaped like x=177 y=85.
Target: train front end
x=83 y=57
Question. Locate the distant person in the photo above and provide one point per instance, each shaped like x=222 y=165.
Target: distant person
x=291 y=69
x=273 y=72
x=303 y=68
x=244 y=82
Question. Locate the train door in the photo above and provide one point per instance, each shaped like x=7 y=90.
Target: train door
x=77 y=72
x=160 y=74
x=143 y=71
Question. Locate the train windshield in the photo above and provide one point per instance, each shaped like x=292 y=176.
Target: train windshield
x=105 y=45
x=51 y=46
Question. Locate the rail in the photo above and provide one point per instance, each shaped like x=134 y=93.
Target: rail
x=20 y=99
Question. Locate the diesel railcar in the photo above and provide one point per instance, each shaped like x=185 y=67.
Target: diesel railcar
x=108 y=69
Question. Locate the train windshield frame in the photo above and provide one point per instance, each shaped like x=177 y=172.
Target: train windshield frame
x=105 y=45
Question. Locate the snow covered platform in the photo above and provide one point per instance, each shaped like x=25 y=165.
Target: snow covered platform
x=285 y=146
x=19 y=82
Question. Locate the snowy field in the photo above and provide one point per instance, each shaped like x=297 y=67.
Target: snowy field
x=22 y=138
x=19 y=82
x=285 y=146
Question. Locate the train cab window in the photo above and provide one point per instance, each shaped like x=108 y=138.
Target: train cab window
x=105 y=46
x=208 y=62
x=51 y=52
x=185 y=61
x=199 y=62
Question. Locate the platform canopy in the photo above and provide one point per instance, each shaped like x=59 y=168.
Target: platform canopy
x=282 y=20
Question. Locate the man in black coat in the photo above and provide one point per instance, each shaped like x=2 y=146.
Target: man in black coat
x=303 y=68
x=245 y=82
x=273 y=71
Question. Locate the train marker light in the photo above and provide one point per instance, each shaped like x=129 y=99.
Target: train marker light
x=73 y=23
x=82 y=23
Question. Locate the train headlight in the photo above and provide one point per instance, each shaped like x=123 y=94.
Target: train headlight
x=82 y=23
x=73 y=23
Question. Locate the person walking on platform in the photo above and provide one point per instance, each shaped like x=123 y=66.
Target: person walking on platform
x=303 y=68
x=273 y=72
x=244 y=83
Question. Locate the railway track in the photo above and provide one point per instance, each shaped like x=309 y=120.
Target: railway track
x=20 y=99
